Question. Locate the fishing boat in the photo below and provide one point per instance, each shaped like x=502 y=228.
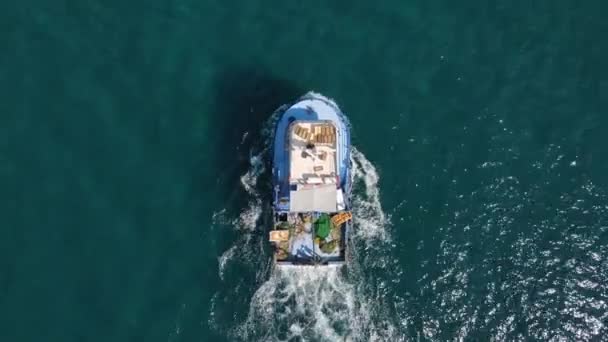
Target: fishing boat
x=311 y=183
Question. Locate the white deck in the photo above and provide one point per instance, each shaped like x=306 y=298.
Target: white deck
x=316 y=165
x=312 y=156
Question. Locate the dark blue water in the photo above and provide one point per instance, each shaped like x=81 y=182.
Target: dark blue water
x=134 y=179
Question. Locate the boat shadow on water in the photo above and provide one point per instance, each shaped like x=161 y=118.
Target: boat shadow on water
x=244 y=102
x=245 y=99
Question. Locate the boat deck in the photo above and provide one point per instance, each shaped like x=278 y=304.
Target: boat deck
x=311 y=150
x=301 y=241
x=312 y=153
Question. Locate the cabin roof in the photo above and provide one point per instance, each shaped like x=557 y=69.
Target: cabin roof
x=320 y=198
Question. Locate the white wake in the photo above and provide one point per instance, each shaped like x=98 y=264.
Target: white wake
x=313 y=303
x=325 y=304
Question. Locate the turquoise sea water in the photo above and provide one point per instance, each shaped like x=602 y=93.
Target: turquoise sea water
x=134 y=186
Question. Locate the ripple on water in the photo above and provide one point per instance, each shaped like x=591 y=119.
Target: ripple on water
x=519 y=259
x=312 y=303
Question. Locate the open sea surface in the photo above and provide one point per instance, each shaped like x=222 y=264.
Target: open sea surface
x=135 y=184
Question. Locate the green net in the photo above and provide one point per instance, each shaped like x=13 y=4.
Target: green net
x=323 y=226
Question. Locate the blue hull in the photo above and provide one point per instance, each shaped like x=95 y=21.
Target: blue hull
x=308 y=247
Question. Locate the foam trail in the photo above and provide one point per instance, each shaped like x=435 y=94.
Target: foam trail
x=311 y=303
x=322 y=304
x=256 y=169
x=248 y=218
x=367 y=209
